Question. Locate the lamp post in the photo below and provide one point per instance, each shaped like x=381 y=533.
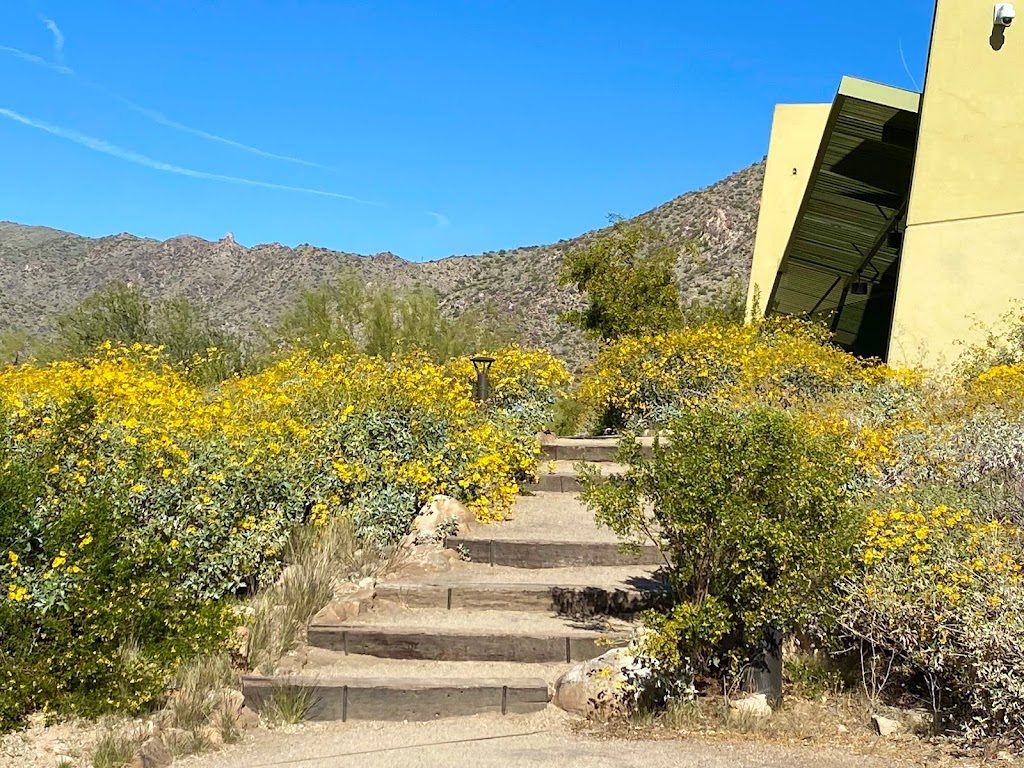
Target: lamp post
x=481 y=364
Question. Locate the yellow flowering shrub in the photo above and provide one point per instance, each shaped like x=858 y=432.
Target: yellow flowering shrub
x=941 y=594
x=1001 y=386
x=524 y=383
x=938 y=583
x=198 y=489
x=643 y=381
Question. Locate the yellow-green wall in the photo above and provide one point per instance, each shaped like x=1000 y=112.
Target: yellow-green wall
x=797 y=130
x=963 y=255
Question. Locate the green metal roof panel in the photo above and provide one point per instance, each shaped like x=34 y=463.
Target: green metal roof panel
x=877 y=93
x=858 y=187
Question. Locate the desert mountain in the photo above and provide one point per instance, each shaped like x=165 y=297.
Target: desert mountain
x=44 y=272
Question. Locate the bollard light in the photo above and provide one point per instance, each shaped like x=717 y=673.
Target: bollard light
x=482 y=364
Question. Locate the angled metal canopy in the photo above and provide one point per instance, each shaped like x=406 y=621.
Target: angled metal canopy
x=856 y=195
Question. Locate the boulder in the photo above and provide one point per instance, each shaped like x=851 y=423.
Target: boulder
x=441 y=516
x=595 y=687
x=227 y=700
x=153 y=753
x=755 y=705
x=247 y=719
x=885 y=726
x=213 y=736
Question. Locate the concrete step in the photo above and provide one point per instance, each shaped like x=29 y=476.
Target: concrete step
x=560 y=476
x=515 y=636
x=397 y=698
x=535 y=553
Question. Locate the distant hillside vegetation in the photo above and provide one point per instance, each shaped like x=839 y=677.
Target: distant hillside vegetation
x=44 y=272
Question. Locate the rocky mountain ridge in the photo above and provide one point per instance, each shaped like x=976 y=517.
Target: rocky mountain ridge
x=44 y=272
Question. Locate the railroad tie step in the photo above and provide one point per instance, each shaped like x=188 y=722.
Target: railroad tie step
x=576 y=601
x=343 y=699
x=551 y=554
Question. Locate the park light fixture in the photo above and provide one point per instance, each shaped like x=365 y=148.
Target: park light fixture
x=482 y=364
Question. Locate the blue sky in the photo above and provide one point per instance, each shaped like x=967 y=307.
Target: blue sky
x=426 y=128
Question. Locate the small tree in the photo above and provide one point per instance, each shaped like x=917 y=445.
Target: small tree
x=383 y=321
x=750 y=511
x=628 y=279
x=120 y=313
x=124 y=314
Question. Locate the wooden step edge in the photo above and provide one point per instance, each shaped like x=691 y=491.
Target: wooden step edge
x=525 y=553
x=568 y=600
x=391 y=699
x=591 y=454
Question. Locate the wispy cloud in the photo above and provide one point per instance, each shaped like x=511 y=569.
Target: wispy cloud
x=906 y=67
x=442 y=221
x=58 y=38
x=37 y=60
x=105 y=147
x=158 y=117
x=152 y=114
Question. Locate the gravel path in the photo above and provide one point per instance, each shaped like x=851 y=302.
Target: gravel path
x=468 y=573
x=494 y=742
x=548 y=516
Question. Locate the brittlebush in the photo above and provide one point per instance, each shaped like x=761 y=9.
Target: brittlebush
x=197 y=491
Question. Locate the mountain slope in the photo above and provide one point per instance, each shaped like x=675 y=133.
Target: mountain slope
x=44 y=272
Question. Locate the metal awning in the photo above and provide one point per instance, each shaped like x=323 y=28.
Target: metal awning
x=856 y=195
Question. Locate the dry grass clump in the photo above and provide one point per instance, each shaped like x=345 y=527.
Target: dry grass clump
x=289 y=704
x=117 y=743
x=319 y=560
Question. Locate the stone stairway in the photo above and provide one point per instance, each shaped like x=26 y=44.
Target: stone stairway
x=521 y=603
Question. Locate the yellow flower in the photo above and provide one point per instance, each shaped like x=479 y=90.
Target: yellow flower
x=13 y=557
x=16 y=593
x=86 y=541
x=60 y=559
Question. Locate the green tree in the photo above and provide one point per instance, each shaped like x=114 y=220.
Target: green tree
x=13 y=346
x=123 y=314
x=383 y=321
x=329 y=313
x=627 y=277
x=119 y=313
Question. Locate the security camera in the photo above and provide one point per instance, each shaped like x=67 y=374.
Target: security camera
x=1005 y=14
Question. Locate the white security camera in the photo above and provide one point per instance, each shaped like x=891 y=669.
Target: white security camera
x=1005 y=14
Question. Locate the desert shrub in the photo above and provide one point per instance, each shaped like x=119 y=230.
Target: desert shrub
x=644 y=381
x=134 y=503
x=935 y=462
x=941 y=596
x=93 y=615
x=385 y=322
x=1001 y=344
x=123 y=314
x=750 y=511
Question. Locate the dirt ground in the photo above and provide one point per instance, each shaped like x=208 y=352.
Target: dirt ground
x=490 y=741
x=546 y=739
